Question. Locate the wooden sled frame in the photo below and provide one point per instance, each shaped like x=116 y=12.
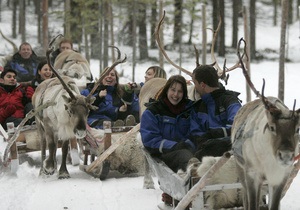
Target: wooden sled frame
x=172 y=184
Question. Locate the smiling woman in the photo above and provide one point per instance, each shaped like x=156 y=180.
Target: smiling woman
x=113 y=102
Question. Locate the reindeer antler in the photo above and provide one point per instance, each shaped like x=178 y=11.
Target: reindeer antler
x=105 y=73
x=221 y=72
x=57 y=75
x=157 y=37
x=268 y=105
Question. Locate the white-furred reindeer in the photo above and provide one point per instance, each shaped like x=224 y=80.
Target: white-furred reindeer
x=74 y=65
x=65 y=120
x=265 y=137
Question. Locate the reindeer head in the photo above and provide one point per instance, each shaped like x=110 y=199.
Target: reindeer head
x=282 y=123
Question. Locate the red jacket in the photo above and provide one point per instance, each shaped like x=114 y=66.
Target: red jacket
x=14 y=98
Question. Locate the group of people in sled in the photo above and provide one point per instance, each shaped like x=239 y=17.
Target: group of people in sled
x=176 y=129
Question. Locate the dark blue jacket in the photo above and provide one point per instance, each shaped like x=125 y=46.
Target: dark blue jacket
x=108 y=106
x=25 y=68
x=215 y=113
x=161 y=129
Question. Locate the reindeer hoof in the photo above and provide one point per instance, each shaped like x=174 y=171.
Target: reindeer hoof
x=105 y=170
x=64 y=176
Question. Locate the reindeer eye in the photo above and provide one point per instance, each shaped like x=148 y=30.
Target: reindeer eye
x=76 y=76
x=272 y=128
x=297 y=130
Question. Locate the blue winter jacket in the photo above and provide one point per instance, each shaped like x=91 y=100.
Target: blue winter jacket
x=108 y=106
x=214 y=113
x=26 y=68
x=161 y=129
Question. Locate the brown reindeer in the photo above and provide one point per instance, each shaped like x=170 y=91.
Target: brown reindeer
x=265 y=137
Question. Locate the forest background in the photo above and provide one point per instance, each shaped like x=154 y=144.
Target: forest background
x=95 y=25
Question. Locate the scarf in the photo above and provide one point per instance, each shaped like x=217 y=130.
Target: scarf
x=175 y=109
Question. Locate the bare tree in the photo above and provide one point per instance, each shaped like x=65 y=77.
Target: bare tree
x=177 y=33
x=45 y=25
x=284 y=19
x=143 y=47
x=236 y=11
x=252 y=29
x=221 y=49
x=153 y=21
x=14 y=19
x=22 y=20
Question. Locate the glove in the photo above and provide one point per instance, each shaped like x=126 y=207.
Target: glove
x=200 y=140
x=183 y=145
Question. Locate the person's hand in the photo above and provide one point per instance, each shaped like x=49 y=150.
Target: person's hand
x=102 y=93
x=123 y=108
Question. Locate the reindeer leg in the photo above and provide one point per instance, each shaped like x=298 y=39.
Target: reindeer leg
x=275 y=195
x=50 y=163
x=253 y=186
x=63 y=172
x=148 y=181
x=74 y=152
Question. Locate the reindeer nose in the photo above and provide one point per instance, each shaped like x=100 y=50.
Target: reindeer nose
x=286 y=157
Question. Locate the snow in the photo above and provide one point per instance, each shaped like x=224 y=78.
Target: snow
x=28 y=191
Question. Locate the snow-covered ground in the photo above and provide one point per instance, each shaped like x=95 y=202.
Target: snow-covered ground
x=28 y=191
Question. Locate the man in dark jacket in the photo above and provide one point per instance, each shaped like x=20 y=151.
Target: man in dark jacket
x=24 y=62
x=213 y=114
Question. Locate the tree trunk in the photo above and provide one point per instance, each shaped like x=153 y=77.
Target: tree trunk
x=14 y=19
x=134 y=38
x=247 y=39
x=154 y=14
x=236 y=10
x=161 y=57
x=275 y=4
x=45 y=25
x=143 y=47
x=215 y=17
x=112 y=41
x=22 y=20
x=105 y=35
x=221 y=49
x=177 y=22
x=291 y=12
x=252 y=29
x=67 y=28
x=285 y=11
x=204 y=34
x=192 y=22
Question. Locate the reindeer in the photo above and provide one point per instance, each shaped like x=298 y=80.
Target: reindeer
x=65 y=120
x=265 y=137
x=74 y=65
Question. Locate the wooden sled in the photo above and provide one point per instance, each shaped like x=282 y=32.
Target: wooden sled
x=99 y=166
x=193 y=195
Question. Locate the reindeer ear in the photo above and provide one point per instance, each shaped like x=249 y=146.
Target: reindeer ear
x=66 y=99
x=90 y=100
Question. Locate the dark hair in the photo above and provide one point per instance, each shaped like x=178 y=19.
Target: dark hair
x=39 y=67
x=207 y=74
x=174 y=79
x=65 y=40
x=24 y=43
x=158 y=72
x=5 y=71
